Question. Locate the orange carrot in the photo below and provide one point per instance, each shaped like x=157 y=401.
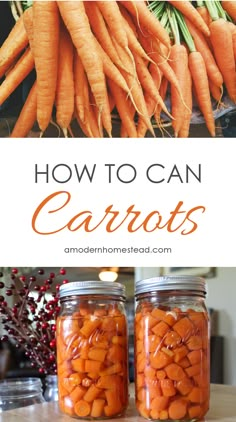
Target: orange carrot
x=89 y=326
x=27 y=115
x=196 y=395
x=65 y=81
x=82 y=408
x=13 y=45
x=182 y=351
x=200 y=42
x=203 y=11
x=179 y=64
x=195 y=356
x=160 y=329
x=193 y=370
x=154 y=388
x=198 y=72
x=76 y=21
x=114 y=20
x=155 y=51
x=28 y=24
x=100 y=30
x=234 y=44
x=167 y=387
x=184 y=131
x=146 y=19
x=172 y=339
x=160 y=360
x=174 y=372
x=134 y=86
x=184 y=386
x=159 y=403
x=232 y=28
x=194 y=342
x=221 y=37
x=97 y=408
x=147 y=82
x=111 y=70
x=131 y=111
x=123 y=107
x=163 y=91
x=151 y=103
x=97 y=353
x=16 y=75
x=81 y=94
x=45 y=50
x=195 y=412
x=191 y=13
x=93 y=117
x=128 y=17
x=151 y=106
x=123 y=132
x=134 y=44
x=92 y=393
x=156 y=75
x=177 y=409
x=184 y=328
x=111 y=101
x=160 y=374
x=230 y=7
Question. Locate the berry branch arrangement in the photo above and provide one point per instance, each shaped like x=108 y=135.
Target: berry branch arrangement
x=30 y=320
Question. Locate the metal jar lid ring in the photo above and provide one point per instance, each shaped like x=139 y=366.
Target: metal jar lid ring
x=167 y=283
x=79 y=288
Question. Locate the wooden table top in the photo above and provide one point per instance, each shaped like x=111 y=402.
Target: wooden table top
x=222 y=409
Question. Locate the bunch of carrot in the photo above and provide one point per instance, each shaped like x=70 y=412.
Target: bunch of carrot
x=92 y=58
x=92 y=362
x=172 y=363
x=199 y=36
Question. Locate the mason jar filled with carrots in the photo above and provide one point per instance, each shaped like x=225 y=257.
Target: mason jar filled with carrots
x=92 y=350
x=172 y=369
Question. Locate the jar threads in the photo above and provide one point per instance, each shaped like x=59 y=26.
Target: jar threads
x=20 y=392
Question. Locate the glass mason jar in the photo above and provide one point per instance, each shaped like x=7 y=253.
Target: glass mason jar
x=51 y=388
x=20 y=392
x=92 y=350
x=172 y=369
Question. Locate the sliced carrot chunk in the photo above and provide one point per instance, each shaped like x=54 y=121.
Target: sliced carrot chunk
x=194 y=343
x=97 y=353
x=160 y=329
x=193 y=370
x=82 y=408
x=184 y=327
x=184 y=386
x=160 y=360
x=177 y=409
x=97 y=408
x=195 y=356
x=172 y=339
x=90 y=326
x=167 y=386
x=197 y=395
x=180 y=353
x=175 y=372
x=159 y=403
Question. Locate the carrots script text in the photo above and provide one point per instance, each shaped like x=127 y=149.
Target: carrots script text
x=55 y=214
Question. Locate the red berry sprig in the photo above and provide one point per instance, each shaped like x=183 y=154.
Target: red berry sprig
x=30 y=322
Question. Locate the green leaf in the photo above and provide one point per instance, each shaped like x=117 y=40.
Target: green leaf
x=27 y=4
